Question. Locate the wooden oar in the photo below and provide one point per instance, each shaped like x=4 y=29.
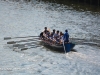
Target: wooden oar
x=28 y=40
x=29 y=48
x=26 y=44
x=7 y=38
x=64 y=47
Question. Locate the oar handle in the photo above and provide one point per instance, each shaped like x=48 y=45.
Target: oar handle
x=28 y=40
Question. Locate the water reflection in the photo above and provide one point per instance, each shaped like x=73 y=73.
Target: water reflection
x=78 y=5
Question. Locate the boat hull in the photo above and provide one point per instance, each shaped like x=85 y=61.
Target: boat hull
x=58 y=48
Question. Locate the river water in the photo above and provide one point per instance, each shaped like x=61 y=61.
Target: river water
x=29 y=19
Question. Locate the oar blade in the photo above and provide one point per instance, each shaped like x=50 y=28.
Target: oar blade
x=24 y=49
x=30 y=47
x=11 y=42
x=7 y=38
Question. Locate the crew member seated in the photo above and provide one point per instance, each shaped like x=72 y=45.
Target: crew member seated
x=56 y=37
x=61 y=37
x=45 y=34
x=52 y=34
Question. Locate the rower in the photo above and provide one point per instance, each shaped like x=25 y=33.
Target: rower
x=45 y=33
x=52 y=34
x=56 y=37
x=61 y=37
x=45 y=30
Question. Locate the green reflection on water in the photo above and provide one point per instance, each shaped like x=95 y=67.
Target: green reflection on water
x=77 y=5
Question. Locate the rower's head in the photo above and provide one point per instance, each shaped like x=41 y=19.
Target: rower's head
x=45 y=28
x=54 y=30
x=61 y=33
x=57 y=31
x=66 y=30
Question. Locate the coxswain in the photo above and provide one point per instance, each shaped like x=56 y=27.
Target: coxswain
x=66 y=37
x=66 y=44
